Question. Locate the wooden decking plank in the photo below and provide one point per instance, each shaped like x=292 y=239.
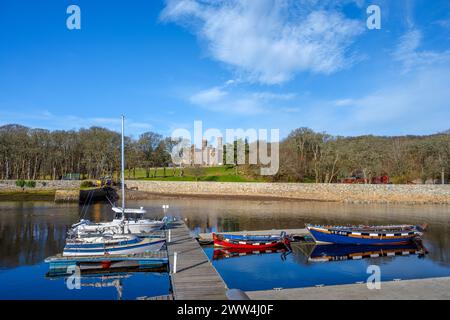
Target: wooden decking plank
x=196 y=278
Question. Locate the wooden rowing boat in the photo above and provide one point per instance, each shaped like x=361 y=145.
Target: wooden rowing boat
x=250 y=242
x=365 y=235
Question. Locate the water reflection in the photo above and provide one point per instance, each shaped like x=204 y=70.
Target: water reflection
x=223 y=215
x=114 y=281
x=32 y=231
x=267 y=271
x=336 y=252
x=101 y=281
x=219 y=254
x=306 y=253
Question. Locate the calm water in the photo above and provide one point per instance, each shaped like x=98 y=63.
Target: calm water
x=32 y=231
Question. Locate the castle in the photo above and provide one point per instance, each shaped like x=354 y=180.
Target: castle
x=207 y=156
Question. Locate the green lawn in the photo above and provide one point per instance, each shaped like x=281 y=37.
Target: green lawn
x=218 y=174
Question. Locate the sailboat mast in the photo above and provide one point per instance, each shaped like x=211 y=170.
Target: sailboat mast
x=123 y=169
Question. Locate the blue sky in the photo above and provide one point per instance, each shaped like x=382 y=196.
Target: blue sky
x=232 y=64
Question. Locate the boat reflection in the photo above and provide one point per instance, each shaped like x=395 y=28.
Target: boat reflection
x=339 y=252
x=108 y=282
x=106 y=278
x=106 y=267
x=305 y=253
x=223 y=253
x=96 y=280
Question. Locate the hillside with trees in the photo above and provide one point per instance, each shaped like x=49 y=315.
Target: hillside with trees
x=305 y=155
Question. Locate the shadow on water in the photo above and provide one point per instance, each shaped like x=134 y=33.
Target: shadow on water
x=104 y=194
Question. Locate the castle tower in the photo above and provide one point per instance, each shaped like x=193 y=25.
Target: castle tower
x=219 y=152
x=204 y=152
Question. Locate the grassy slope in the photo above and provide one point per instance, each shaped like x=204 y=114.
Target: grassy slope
x=218 y=174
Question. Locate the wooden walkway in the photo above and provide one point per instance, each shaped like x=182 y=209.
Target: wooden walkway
x=419 y=289
x=195 y=277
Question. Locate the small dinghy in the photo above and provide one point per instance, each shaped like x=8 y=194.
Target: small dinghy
x=365 y=235
x=250 y=242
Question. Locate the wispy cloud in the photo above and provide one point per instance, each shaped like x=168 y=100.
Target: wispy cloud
x=343 y=102
x=274 y=96
x=227 y=100
x=414 y=103
x=217 y=100
x=208 y=96
x=409 y=54
x=290 y=110
x=444 y=23
x=269 y=41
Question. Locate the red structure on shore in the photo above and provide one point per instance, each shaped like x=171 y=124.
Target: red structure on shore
x=384 y=179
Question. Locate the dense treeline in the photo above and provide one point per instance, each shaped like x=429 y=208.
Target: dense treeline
x=42 y=154
x=305 y=155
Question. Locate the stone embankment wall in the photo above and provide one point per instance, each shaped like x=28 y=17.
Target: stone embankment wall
x=357 y=193
x=63 y=190
x=67 y=195
x=42 y=185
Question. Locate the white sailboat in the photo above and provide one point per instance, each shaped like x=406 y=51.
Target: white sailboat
x=120 y=224
x=115 y=237
x=107 y=245
x=139 y=225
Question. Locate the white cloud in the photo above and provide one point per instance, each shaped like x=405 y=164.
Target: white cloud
x=226 y=100
x=274 y=96
x=444 y=23
x=208 y=96
x=415 y=103
x=269 y=41
x=408 y=53
x=343 y=102
x=217 y=100
x=290 y=110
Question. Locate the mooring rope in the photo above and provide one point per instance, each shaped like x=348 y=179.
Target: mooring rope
x=86 y=204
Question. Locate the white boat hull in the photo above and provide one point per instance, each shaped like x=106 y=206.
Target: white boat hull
x=140 y=226
x=118 y=226
x=143 y=246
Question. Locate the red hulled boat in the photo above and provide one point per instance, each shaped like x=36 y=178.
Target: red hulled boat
x=250 y=242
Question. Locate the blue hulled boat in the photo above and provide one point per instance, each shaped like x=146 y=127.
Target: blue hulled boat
x=365 y=235
x=106 y=245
